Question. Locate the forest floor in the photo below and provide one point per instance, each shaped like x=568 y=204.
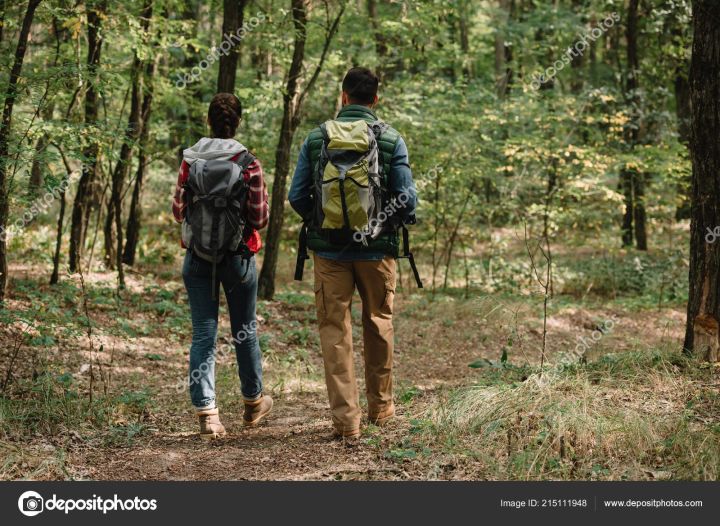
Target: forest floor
x=471 y=402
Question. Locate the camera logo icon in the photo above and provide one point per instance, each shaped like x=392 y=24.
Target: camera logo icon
x=31 y=503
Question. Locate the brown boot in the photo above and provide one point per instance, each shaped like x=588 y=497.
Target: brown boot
x=256 y=410
x=383 y=417
x=348 y=438
x=210 y=425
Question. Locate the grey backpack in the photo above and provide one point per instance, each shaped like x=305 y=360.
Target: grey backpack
x=216 y=214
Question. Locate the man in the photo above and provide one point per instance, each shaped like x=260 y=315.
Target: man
x=368 y=262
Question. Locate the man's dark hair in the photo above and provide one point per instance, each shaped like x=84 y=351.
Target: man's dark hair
x=361 y=85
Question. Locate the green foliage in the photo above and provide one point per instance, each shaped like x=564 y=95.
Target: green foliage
x=484 y=161
x=55 y=405
x=494 y=169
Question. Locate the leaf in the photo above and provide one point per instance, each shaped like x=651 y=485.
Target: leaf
x=483 y=362
x=154 y=357
x=401 y=454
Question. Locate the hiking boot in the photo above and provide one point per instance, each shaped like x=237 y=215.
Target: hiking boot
x=256 y=410
x=210 y=425
x=383 y=417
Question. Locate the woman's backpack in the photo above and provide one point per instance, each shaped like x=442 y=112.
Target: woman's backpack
x=216 y=207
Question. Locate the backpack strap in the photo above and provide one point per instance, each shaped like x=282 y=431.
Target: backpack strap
x=302 y=253
x=245 y=160
x=198 y=165
x=384 y=133
x=409 y=255
x=379 y=127
x=323 y=157
x=324 y=132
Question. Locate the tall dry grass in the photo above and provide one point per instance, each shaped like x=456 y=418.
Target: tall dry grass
x=630 y=416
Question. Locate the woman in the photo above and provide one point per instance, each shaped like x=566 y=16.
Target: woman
x=236 y=272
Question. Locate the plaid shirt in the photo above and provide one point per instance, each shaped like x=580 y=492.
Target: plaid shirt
x=258 y=211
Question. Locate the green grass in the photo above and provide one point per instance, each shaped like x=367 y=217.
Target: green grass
x=55 y=407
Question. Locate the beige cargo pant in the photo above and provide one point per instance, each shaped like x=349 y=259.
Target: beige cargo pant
x=335 y=283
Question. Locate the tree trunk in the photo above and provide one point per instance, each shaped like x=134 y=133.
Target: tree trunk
x=188 y=123
x=592 y=52
x=631 y=35
x=109 y=242
x=113 y=254
x=578 y=61
x=82 y=206
x=639 y=181
x=626 y=187
x=37 y=178
x=135 y=215
x=233 y=16
x=5 y=130
x=503 y=54
x=631 y=181
x=292 y=106
x=454 y=236
x=683 y=111
x=266 y=284
x=55 y=277
x=261 y=56
x=467 y=59
x=113 y=225
x=381 y=48
x=436 y=226
x=3 y=4
x=702 y=335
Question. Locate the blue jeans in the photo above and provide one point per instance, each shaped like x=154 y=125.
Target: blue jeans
x=239 y=280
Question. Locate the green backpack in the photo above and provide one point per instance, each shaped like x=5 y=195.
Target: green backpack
x=350 y=191
x=352 y=200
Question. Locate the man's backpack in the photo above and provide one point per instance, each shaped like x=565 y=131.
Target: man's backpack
x=216 y=214
x=349 y=186
x=352 y=200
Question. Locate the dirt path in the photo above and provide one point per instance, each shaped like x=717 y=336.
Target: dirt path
x=288 y=446
x=294 y=443
x=144 y=357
